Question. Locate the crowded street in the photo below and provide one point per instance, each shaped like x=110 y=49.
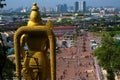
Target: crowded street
x=77 y=63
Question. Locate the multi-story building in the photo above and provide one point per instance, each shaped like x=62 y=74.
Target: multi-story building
x=62 y=8
x=61 y=30
x=76 y=6
x=64 y=34
x=80 y=6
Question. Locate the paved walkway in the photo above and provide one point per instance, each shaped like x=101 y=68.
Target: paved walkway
x=74 y=64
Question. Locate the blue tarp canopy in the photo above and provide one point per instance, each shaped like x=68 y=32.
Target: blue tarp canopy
x=11 y=50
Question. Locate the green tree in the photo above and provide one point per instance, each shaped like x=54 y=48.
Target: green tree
x=95 y=28
x=6 y=66
x=108 y=56
x=2 y=4
x=102 y=22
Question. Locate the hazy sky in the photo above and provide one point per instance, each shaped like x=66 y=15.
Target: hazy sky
x=53 y=3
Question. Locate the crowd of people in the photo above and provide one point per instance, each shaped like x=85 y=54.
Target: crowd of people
x=74 y=63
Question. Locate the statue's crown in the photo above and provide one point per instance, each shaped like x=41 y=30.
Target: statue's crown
x=35 y=18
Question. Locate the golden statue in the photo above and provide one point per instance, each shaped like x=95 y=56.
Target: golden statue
x=37 y=63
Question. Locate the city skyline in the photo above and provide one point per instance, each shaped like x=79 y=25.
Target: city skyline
x=28 y=3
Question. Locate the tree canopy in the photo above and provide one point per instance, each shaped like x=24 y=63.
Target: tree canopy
x=108 y=55
x=2 y=4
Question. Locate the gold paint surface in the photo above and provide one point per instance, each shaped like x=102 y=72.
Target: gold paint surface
x=38 y=63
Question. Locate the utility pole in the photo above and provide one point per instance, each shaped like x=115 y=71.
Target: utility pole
x=2 y=4
x=79 y=48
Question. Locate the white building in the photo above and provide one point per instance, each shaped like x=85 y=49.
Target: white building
x=82 y=6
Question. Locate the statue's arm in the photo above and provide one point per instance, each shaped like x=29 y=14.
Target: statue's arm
x=22 y=44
